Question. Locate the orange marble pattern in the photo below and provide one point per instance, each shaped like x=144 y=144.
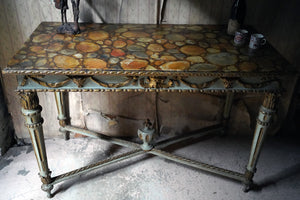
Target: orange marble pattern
x=142 y=47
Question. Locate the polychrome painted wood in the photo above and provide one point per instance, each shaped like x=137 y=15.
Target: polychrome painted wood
x=146 y=49
x=132 y=57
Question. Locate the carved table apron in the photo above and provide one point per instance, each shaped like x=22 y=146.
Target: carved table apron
x=143 y=58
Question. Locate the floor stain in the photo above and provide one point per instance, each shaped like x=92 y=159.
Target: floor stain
x=23 y=172
x=29 y=149
x=5 y=162
x=16 y=152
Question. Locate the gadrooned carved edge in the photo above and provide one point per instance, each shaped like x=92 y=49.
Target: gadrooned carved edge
x=154 y=90
x=162 y=82
x=35 y=125
x=141 y=73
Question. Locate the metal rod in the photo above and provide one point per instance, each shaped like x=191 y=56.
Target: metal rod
x=199 y=165
x=200 y=133
x=93 y=134
x=94 y=166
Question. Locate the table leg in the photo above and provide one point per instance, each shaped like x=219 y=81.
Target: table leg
x=227 y=110
x=61 y=103
x=263 y=122
x=33 y=121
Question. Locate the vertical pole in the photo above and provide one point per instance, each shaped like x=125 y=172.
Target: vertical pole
x=61 y=103
x=227 y=110
x=33 y=121
x=263 y=122
x=158 y=13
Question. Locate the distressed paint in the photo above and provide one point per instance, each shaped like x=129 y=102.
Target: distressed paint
x=146 y=135
x=263 y=122
x=61 y=104
x=155 y=151
x=200 y=12
x=33 y=121
x=170 y=83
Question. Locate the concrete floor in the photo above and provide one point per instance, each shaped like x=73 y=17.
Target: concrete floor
x=152 y=178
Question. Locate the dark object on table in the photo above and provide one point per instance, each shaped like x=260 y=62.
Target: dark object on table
x=66 y=27
x=237 y=16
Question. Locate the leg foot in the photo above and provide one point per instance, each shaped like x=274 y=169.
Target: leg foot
x=247 y=187
x=47 y=188
x=248 y=184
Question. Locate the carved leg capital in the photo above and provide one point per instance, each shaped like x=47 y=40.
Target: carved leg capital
x=29 y=100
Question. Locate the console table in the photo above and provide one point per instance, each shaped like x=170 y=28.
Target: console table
x=143 y=58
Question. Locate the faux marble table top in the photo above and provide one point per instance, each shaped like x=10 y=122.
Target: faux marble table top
x=135 y=49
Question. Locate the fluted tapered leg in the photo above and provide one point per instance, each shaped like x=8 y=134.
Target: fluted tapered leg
x=263 y=122
x=34 y=122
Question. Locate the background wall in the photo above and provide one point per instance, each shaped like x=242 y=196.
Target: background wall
x=116 y=113
x=6 y=126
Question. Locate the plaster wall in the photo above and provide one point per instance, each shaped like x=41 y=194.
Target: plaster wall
x=6 y=128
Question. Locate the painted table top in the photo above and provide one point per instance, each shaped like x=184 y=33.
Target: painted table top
x=134 y=49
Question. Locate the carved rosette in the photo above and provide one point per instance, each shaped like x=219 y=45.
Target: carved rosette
x=158 y=82
x=228 y=82
x=79 y=80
